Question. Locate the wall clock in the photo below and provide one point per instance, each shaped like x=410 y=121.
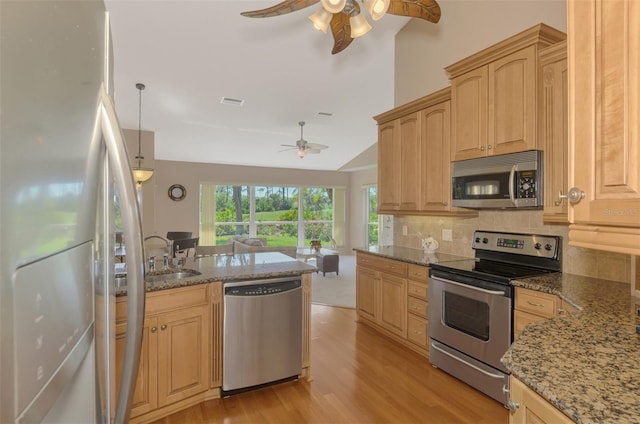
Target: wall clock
x=177 y=192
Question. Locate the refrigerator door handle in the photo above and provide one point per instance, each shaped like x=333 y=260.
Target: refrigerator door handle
x=132 y=226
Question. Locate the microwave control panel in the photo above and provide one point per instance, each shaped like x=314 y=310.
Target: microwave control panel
x=526 y=185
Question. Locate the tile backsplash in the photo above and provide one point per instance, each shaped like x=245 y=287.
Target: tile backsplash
x=575 y=260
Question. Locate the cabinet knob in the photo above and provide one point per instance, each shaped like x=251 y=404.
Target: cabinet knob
x=512 y=405
x=163 y=327
x=489 y=147
x=574 y=195
x=482 y=148
x=154 y=329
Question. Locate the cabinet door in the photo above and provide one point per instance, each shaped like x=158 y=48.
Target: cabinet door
x=409 y=165
x=604 y=116
x=145 y=396
x=435 y=182
x=532 y=409
x=554 y=137
x=512 y=103
x=469 y=114
x=393 y=304
x=183 y=363
x=367 y=293
x=388 y=174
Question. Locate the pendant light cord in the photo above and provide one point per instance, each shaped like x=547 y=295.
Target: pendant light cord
x=140 y=87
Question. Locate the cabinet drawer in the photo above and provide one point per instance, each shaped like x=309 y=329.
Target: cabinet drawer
x=418 y=290
x=418 y=273
x=417 y=307
x=417 y=330
x=543 y=304
x=388 y=266
x=172 y=299
x=522 y=319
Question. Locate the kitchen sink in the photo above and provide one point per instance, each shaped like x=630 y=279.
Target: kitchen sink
x=171 y=275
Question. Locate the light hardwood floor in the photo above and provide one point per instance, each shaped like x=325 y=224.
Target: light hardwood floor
x=358 y=377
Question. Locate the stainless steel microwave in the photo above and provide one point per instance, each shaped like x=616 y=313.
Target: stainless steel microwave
x=513 y=180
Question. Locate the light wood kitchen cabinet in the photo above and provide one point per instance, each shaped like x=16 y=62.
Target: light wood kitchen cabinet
x=174 y=364
x=388 y=167
x=531 y=306
x=414 y=172
x=391 y=296
x=495 y=95
x=553 y=133
x=604 y=124
x=381 y=292
x=531 y=408
x=417 y=304
x=399 y=153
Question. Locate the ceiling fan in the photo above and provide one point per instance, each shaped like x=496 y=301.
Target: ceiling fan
x=303 y=145
x=345 y=17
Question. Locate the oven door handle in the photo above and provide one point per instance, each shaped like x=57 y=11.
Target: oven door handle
x=468 y=286
x=512 y=179
x=469 y=364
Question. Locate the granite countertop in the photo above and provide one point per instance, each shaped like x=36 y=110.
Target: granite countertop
x=406 y=254
x=587 y=363
x=247 y=266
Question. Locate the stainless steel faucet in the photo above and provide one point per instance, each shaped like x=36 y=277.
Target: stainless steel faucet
x=152 y=263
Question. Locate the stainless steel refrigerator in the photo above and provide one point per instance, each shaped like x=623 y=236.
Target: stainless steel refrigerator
x=63 y=162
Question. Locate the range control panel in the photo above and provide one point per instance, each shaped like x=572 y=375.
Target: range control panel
x=516 y=243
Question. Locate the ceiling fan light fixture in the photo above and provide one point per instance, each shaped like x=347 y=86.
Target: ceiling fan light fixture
x=321 y=19
x=300 y=153
x=359 y=25
x=377 y=8
x=333 y=6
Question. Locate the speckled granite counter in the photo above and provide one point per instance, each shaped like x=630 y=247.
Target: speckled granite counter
x=246 y=266
x=587 y=363
x=405 y=254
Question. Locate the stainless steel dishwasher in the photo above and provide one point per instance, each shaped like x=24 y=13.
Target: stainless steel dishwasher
x=262 y=332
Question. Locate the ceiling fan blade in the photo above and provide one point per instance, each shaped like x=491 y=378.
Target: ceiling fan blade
x=429 y=10
x=315 y=146
x=287 y=6
x=341 y=30
x=311 y=151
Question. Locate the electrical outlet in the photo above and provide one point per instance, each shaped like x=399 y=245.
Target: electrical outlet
x=404 y=230
x=447 y=235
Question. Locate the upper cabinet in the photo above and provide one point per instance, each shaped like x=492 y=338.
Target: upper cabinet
x=495 y=95
x=553 y=132
x=604 y=124
x=414 y=173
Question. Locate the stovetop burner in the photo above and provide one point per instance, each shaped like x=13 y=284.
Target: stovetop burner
x=490 y=270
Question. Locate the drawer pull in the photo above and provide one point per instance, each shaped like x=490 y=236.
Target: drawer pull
x=154 y=329
x=163 y=327
x=540 y=305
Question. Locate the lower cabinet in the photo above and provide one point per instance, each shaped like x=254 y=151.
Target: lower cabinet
x=174 y=361
x=531 y=306
x=391 y=297
x=531 y=408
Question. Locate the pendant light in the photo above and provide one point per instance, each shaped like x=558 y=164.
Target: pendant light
x=140 y=174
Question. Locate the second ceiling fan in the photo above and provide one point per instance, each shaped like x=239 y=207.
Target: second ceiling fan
x=303 y=146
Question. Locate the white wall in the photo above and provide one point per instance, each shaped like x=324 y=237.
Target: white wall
x=424 y=49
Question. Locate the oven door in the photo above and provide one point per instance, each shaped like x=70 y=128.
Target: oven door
x=471 y=316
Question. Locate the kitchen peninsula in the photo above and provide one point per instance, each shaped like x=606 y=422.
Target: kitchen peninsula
x=181 y=358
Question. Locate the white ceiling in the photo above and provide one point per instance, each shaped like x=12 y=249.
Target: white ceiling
x=190 y=54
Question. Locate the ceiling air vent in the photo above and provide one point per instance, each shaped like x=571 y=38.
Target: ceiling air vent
x=329 y=114
x=231 y=101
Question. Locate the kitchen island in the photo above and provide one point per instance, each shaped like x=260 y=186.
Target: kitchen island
x=586 y=364
x=181 y=357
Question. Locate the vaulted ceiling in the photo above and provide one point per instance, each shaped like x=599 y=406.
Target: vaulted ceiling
x=191 y=54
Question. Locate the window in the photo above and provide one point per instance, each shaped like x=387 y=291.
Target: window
x=273 y=213
x=371 y=212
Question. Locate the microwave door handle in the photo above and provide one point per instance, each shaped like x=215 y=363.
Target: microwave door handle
x=512 y=179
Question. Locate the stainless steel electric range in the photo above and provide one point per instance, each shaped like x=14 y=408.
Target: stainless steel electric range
x=471 y=305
